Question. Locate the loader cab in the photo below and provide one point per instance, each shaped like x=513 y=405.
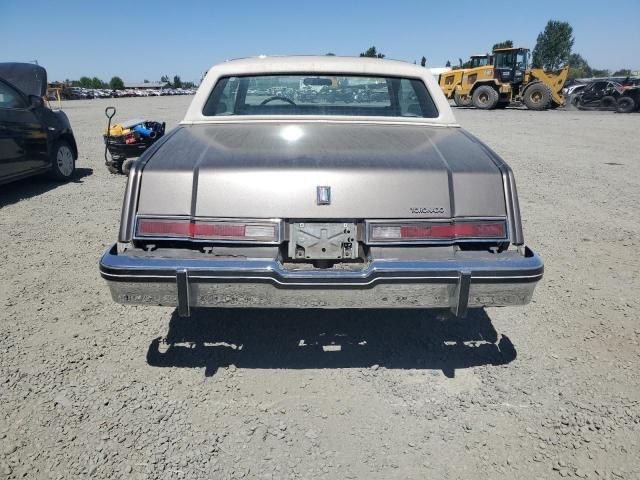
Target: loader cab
x=510 y=64
x=481 y=60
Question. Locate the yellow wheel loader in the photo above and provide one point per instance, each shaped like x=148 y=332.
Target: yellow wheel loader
x=450 y=80
x=510 y=79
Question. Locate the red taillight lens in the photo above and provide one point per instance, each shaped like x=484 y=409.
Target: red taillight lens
x=213 y=230
x=164 y=228
x=436 y=231
x=267 y=232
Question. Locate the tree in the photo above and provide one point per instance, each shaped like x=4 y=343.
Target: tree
x=579 y=67
x=116 y=83
x=97 y=83
x=423 y=62
x=85 y=82
x=623 y=72
x=553 y=46
x=371 y=52
x=177 y=83
x=448 y=64
x=600 y=73
x=505 y=44
x=145 y=81
x=165 y=79
x=330 y=54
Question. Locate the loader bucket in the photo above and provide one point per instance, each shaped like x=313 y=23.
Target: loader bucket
x=554 y=81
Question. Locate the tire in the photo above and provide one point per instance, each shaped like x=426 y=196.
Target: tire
x=485 y=98
x=126 y=166
x=625 y=105
x=537 y=96
x=608 y=102
x=461 y=101
x=112 y=169
x=574 y=100
x=63 y=163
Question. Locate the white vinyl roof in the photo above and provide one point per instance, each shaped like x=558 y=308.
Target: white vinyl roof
x=324 y=64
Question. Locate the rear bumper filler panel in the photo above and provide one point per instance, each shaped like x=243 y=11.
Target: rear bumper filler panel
x=453 y=284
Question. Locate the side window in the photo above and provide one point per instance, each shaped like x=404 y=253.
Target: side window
x=408 y=100
x=227 y=102
x=9 y=98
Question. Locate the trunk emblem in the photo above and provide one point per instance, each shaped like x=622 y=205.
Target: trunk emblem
x=323 y=195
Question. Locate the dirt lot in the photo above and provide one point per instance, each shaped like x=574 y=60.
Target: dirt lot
x=550 y=390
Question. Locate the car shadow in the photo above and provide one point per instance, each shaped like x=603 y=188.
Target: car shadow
x=33 y=186
x=313 y=338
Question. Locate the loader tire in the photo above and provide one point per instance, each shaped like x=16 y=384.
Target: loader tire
x=537 y=96
x=461 y=101
x=608 y=102
x=485 y=98
x=625 y=105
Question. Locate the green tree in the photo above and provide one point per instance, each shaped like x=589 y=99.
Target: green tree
x=448 y=64
x=423 y=62
x=372 y=52
x=579 y=67
x=553 y=46
x=600 y=73
x=177 y=83
x=623 y=72
x=116 y=83
x=85 y=82
x=97 y=83
x=330 y=54
x=165 y=79
x=505 y=44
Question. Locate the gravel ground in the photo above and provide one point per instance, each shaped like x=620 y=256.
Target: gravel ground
x=88 y=389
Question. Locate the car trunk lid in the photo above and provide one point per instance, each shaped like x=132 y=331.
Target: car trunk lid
x=278 y=169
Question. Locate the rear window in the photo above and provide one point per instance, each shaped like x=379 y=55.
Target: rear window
x=320 y=95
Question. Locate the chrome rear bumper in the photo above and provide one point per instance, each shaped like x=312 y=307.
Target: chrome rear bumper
x=455 y=284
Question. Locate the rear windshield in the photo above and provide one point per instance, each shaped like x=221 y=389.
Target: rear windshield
x=320 y=95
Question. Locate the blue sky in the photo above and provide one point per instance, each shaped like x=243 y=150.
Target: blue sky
x=140 y=40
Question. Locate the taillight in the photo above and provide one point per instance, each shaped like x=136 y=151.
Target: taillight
x=419 y=232
x=259 y=232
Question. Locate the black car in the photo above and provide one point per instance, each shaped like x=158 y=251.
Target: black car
x=597 y=95
x=33 y=138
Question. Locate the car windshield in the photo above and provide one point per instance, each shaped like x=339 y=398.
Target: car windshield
x=320 y=95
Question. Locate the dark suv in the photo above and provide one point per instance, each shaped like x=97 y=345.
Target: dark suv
x=33 y=138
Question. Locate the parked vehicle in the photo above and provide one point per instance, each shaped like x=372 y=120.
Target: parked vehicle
x=33 y=138
x=262 y=202
x=510 y=79
x=572 y=86
x=448 y=81
x=598 y=95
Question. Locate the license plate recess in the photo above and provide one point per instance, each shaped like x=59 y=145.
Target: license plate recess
x=323 y=241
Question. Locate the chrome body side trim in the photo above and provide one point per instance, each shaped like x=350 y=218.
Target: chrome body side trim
x=510 y=192
x=132 y=191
